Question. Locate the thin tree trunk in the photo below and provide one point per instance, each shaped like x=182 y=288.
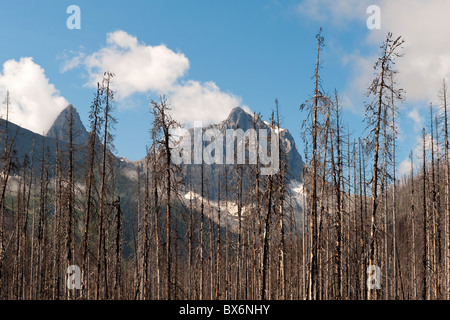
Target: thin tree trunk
x=424 y=221
x=447 y=191
x=217 y=293
x=101 y=255
x=90 y=181
x=394 y=193
x=312 y=289
x=413 y=228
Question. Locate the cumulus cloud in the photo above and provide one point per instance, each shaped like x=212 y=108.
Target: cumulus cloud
x=138 y=68
x=417 y=118
x=429 y=145
x=404 y=168
x=141 y=68
x=423 y=25
x=35 y=102
x=205 y=102
x=361 y=78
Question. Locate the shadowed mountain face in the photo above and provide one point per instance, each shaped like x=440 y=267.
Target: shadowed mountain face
x=237 y=118
x=240 y=119
x=28 y=143
x=228 y=176
x=59 y=128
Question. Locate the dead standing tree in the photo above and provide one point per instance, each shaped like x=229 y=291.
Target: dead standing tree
x=314 y=107
x=95 y=122
x=164 y=125
x=424 y=220
x=443 y=97
x=281 y=177
x=7 y=160
x=107 y=147
x=382 y=90
x=69 y=197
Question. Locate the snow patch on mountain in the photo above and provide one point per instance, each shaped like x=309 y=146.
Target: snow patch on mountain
x=275 y=128
x=298 y=191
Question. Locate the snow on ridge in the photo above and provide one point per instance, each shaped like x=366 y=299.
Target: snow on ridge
x=230 y=207
x=298 y=192
x=275 y=128
x=297 y=187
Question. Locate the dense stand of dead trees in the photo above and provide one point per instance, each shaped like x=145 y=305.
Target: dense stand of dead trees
x=402 y=227
x=56 y=212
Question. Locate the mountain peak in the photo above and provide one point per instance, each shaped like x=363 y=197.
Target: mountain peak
x=59 y=128
x=239 y=118
x=236 y=110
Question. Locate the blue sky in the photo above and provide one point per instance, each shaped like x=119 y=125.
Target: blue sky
x=234 y=52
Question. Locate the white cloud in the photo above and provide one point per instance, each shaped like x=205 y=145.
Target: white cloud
x=418 y=150
x=361 y=78
x=404 y=167
x=422 y=24
x=141 y=68
x=415 y=116
x=335 y=11
x=195 y=101
x=71 y=59
x=35 y=103
x=138 y=68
